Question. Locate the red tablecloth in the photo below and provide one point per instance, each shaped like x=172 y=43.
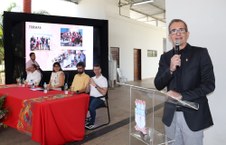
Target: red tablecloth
x=54 y=122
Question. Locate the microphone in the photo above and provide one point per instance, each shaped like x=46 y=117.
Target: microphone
x=177 y=46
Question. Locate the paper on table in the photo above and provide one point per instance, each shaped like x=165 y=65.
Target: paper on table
x=36 y=89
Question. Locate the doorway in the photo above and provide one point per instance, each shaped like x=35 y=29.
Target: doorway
x=137 y=63
x=115 y=55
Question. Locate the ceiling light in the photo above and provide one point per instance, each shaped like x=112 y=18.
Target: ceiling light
x=73 y=1
x=143 y=2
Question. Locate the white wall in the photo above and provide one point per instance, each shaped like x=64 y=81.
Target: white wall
x=128 y=35
x=85 y=8
x=206 y=21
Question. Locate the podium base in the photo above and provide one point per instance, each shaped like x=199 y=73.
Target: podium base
x=153 y=137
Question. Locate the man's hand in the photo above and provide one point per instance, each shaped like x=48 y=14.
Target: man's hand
x=175 y=61
x=92 y=82
x=174 y=94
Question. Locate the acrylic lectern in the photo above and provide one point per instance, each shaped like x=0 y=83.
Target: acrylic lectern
x=146 y=110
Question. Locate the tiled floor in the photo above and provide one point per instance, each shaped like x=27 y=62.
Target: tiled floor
x=116 y=133
x=120 y=111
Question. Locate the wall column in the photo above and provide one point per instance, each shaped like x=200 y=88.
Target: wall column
x=27 y=6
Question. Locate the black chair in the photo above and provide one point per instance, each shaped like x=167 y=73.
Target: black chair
x=42 y=81
x=106 y=105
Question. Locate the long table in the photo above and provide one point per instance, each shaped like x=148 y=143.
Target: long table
x=55 y=118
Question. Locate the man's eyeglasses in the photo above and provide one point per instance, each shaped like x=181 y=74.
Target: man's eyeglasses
x=175 y=31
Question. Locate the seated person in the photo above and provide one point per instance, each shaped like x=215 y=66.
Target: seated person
x=57 y=77
x=98 y=87
x=33 y=76
x=81 y=79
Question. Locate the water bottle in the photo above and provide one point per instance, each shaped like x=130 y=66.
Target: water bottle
x=32 y=84
x=66 y=88
x=45 y=87
x=19 y=81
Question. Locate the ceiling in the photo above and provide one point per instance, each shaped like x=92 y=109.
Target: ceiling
x=152 y=13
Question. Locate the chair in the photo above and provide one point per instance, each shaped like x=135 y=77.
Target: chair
x=122 y=79
x=42 y=81
x=106 y=105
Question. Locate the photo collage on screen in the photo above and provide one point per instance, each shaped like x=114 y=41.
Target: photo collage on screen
x=39 y=43
x=70 y=58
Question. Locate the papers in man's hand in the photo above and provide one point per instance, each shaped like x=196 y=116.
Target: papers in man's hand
x=184 y=103
x=189 y=104
x=36 y=89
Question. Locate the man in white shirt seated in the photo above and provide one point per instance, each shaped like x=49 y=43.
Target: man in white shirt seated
x=33 y=76
x=98 y=87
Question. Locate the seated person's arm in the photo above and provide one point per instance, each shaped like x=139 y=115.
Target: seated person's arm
x=79 y=86
x=102 y=90
x=61 y=80
x=86 y=86
x=37 y=79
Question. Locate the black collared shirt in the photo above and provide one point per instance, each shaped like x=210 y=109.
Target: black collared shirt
x=178 y=72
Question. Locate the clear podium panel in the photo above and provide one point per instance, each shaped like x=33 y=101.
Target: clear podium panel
x=146 y=111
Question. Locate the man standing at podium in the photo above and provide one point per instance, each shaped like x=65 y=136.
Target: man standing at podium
x=187 y=72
